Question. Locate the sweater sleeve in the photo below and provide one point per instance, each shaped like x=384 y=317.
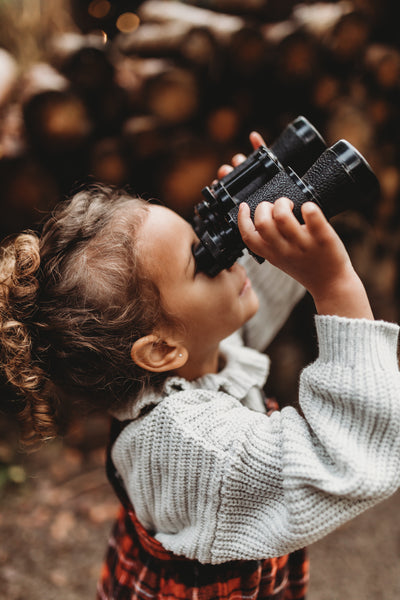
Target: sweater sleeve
x=312 y=474
x=214 y=481
x=278 y=294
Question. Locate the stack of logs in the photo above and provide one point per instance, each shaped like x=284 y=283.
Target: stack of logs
x=160 y=108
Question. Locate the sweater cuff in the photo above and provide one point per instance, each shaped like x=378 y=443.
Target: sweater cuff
x=357 y=342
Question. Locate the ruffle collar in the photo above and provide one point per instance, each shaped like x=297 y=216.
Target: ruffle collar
x=244 y=369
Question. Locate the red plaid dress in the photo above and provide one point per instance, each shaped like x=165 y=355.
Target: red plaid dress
x=137 y=567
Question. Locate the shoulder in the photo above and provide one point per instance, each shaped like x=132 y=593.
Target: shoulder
x=198 y=410
x=211 y=420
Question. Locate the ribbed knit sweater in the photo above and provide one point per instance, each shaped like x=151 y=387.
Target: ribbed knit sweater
x=214 y=478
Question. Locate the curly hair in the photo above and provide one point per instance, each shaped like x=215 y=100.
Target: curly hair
x=72 y=303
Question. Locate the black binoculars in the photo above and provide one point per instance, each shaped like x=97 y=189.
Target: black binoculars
x=299 y=166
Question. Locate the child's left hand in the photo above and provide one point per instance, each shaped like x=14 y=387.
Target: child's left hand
x=311 y=253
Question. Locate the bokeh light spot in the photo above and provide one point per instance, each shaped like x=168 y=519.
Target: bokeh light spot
x=127 y=22
x=99 y=8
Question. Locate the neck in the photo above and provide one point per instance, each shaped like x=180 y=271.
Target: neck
x=199 y=364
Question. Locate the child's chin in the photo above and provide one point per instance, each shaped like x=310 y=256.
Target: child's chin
x=254 y=304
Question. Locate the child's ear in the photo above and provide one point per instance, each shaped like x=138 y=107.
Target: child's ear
x=155 y=354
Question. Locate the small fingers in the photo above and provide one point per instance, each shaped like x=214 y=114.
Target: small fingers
x=278 y=217
x=246 y=225
x=263 y=217
x=275 y=229
x=262 y=235
x=256 y=140
x=282 y=207
x=225 y=169
x=222 y=171
x=285 y=221
x=238 y=159
x=316 y=222
x=250 y=235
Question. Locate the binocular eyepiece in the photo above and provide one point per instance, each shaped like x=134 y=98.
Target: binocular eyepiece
x=299 y=166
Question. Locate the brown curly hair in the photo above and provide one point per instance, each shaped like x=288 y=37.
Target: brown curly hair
x=72 y=303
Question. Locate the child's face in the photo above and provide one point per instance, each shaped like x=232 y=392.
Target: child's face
x=210 y=309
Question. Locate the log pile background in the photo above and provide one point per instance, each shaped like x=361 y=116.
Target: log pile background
x=158 y=98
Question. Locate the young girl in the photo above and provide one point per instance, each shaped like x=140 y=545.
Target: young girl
x=219 y=497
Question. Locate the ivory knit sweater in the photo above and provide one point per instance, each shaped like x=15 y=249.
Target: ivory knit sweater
x=215 y=479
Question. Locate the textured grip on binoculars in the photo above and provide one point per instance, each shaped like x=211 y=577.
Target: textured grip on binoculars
x=299 y=145
x=335 y=189
x=278 y=186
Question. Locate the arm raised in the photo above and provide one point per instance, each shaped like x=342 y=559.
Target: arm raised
x=312 y=253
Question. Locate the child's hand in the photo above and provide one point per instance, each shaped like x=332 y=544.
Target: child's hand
x=256 y=141
x=312 y=253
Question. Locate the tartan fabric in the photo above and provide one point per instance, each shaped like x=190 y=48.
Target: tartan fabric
x=133 y=572
x=138 y=567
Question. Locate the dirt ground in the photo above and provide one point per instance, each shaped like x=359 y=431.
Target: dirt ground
x=56 y=510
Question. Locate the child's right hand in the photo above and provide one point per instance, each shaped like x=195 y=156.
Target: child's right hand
x=312 y=253
x=256 y=141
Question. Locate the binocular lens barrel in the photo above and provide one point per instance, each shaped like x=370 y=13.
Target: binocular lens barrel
x=299 y=145
x=340 y=178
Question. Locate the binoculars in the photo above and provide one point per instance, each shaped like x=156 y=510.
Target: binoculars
x=299 y=166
